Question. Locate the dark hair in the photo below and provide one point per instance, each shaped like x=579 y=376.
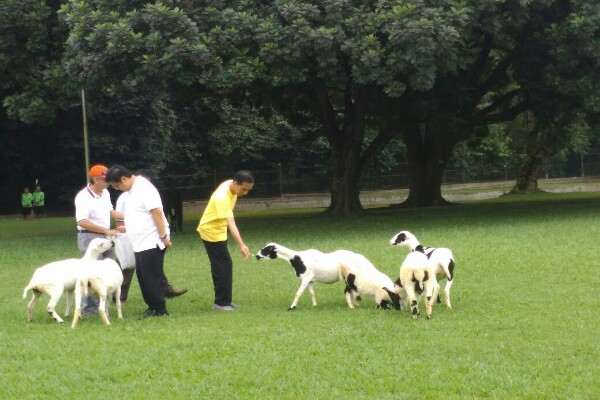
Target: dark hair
x=116 y=172
x=243 y=176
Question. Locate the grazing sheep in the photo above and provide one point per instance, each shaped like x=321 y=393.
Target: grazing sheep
x=441 y=258
x=417 y=276
x=363 y=279
x=59 y=276
x=102 y=278
x=310 y=266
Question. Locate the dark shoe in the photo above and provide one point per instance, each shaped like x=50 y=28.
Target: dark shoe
x=155 y=313
x=175 y=293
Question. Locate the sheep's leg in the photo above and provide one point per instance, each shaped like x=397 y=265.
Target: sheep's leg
x=118 y=302
x=414 y=303
x=305 y=281
x=349 y=298
x=55 y=294
x=77 y=312
x=355 y=298
x=429 y=300
x=311 y=290
x=434 y=291
x=36 y=295
x=447 y=293
x=70 y=295
x=102 y=294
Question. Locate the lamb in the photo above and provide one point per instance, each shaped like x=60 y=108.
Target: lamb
x=417 y=276
x=441 y=258
x=363 y=279
x=59 y=276
x=310 y=266
x=102 y=278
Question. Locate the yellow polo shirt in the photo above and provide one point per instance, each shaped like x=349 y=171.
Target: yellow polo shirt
x=213 y=224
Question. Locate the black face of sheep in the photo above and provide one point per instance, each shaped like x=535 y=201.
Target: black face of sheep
x=395 y=299
x=269 y=251
x=399 y=238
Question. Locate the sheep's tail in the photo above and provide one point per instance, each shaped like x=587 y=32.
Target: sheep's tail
x=27 y=288
x=419 y=276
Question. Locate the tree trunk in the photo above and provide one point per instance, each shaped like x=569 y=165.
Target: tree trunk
x=426 y=162
x=345 y=137
x=345 y=187
x=537 y=151
x=527 y=182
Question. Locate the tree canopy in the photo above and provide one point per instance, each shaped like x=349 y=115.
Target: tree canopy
x=182 y=84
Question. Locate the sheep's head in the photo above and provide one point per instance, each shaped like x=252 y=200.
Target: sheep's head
x=404 y=238
x=101 y=245
x=394 y=298
x=269 y=251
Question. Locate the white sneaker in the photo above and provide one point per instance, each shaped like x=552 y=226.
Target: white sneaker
x=222 y=308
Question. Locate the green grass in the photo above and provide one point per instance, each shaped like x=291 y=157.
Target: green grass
x=525 y=322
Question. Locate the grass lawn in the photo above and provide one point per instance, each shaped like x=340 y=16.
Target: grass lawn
x=525 y=323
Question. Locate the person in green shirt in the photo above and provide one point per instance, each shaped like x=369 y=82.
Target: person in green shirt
x=26 y=202
x=39 y=202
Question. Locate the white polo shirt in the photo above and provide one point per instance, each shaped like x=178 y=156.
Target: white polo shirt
x=94 y=208
x=142 y=231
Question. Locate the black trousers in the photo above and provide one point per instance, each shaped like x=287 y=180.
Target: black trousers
x=149 y=268
x=221 y=268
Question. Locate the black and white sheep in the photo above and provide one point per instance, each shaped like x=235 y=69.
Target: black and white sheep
x=59 y=276
x=309 y=265
x=417 y=276
x=441 y=258
x=101 y=278
x=362 y=278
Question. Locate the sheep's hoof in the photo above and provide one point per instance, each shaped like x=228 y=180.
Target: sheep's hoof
x=291 y=308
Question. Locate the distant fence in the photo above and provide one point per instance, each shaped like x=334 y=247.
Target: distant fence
x=284 y=181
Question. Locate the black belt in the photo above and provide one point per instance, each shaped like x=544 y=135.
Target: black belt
x=84 y=231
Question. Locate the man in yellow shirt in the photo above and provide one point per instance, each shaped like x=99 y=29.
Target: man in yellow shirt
x=216 y=219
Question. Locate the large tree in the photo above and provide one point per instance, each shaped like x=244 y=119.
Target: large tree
x=431 y=72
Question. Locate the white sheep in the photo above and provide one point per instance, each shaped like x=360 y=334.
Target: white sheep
x=441 y=258
x=102 y=278
x=417 y=276
x=59 y=276
x=363 y=279
x=310 y=266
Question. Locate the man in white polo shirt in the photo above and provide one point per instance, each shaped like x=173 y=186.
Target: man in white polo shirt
x=148 y=231
x=93 y=212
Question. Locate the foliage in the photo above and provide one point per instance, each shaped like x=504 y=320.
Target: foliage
x=204 y=83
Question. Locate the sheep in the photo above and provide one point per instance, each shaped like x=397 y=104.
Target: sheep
x=59 y=276
x=417 y=276
x=102 y=278
x=310 y=266
x=363 y=279
x=441 y=258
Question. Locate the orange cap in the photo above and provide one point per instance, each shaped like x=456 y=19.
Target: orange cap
x=98 y=170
